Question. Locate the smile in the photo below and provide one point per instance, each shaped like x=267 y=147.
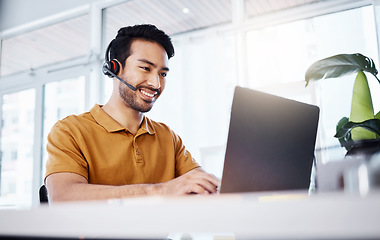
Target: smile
x=148 y=94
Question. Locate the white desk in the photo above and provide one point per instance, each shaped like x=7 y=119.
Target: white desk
x=246 y=216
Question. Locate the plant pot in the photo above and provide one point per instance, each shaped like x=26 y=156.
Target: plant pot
x=365 y=148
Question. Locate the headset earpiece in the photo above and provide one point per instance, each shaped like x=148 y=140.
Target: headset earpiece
x=111 y=66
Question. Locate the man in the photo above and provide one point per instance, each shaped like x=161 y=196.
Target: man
x=114 y=151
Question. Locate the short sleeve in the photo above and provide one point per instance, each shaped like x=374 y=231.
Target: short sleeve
x=184 y=161
x=64 y=154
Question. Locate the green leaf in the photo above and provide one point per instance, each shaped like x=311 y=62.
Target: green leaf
x=377 y=116
x=361 y=107
x=340 y=65
x=372 y=125
x=345 y=140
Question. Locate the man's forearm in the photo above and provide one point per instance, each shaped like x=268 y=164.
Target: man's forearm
x=73 y=187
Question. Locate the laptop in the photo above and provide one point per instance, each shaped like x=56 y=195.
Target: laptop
x=270 y=145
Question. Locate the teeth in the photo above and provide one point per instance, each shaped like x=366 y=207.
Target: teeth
x=148 y=94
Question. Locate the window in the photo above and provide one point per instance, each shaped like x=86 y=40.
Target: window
x=279 y=56
x=17 y=135
x=61 y=99
x=34 y=59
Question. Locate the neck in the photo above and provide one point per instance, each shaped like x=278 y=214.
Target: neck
x=124 y=115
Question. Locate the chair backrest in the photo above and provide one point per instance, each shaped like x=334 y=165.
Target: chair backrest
x=43 y=194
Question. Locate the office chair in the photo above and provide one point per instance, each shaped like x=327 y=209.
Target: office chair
x=43 y=195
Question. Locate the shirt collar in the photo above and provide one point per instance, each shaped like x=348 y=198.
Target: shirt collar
x=147 y=126
x=106 y=121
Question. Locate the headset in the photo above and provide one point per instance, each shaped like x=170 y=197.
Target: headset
x=112 y=68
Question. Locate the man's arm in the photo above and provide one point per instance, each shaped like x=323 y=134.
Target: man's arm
x=74 y=187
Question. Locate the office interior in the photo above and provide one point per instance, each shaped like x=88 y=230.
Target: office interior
x=52 y=53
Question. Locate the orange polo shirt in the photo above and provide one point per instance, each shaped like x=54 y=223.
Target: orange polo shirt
x=95 y=146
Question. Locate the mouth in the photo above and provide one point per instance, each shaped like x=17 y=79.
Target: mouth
x=148 y=94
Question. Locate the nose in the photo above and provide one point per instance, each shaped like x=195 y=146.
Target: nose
x=154 y=81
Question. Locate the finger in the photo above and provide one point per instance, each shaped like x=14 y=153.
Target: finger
x=195 y=189
x=214 y=180
x=205 y=185
x=210 y=177
x=208 y=180
x=208 y=186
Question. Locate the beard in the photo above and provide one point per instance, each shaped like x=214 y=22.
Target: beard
x=130 y=99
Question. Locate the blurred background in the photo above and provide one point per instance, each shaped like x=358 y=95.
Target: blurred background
x=52 y=53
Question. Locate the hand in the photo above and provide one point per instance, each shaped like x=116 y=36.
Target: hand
x=195 y=181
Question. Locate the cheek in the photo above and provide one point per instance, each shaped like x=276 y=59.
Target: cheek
x=133 y=76
x=162 y=83
x=130 y=76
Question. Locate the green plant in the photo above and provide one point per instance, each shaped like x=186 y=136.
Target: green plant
x=363 y=123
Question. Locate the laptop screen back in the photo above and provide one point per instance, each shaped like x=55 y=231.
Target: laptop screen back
x=270 y=144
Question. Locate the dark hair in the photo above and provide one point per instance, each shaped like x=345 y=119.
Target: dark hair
x=120 y=47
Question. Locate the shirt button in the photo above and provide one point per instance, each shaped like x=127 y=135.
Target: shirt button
x=137 y=152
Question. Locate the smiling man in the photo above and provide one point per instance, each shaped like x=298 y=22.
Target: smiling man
x=114 y=151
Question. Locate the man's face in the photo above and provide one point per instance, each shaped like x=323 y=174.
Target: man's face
x=146 y=70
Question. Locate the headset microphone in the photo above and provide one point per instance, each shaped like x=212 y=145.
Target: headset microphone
x=111 y=68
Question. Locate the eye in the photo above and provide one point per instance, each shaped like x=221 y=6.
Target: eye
x=146 y=69
x=164 y=74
